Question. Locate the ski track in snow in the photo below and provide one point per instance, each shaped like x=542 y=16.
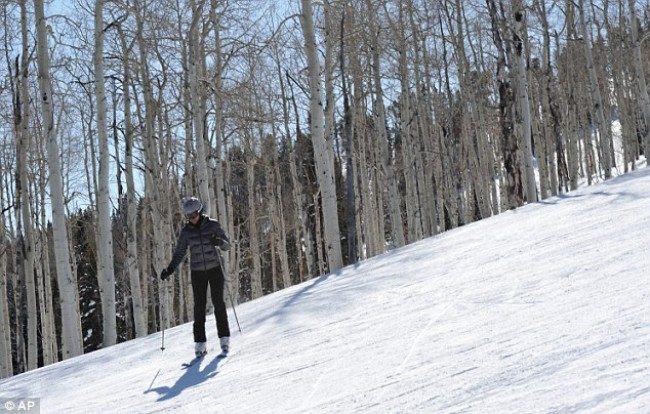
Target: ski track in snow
x=540 y=309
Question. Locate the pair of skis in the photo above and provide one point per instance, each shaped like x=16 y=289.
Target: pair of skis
x=200 y=358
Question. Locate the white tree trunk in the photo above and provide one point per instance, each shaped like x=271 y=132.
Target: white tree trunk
x=22 y=148
x=391 y=194
x=67 y=280
x=604 y=128
x=19 y=352
x=195 y=66
x=644 y=100
x=421 y=134
x=40 y=283
x=165 y=196
x=549 y=107
x=144 y=266
x=276 y=207
x=256 y=272
x=220 y=190
x=323 y=151
x=190 y=172
x=281 y=229
x=408 y=146
x=153 y=187
x=233 y=269
x=6 y=365
x=106 y=271
x=220 y=187
x=273 y=234
x=139 y=310
x=523 y=103
x=319 y=235
x=50 y=331
x=302 y=236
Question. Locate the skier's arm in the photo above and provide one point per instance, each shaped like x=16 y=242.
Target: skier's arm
x=179 y=253
x=220 y=238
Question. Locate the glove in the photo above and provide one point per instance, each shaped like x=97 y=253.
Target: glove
x=165 y=273
x=222 y=243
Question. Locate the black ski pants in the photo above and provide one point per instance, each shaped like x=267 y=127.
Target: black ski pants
x=200 y=281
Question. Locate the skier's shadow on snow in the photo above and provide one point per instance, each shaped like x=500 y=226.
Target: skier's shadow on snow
x=191 y=377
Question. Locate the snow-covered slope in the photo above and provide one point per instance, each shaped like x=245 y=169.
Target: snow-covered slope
x=542 y=309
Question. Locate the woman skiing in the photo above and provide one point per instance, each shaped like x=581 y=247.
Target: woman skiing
x=201 y=234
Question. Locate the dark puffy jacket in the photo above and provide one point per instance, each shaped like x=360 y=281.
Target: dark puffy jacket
x=201 y=240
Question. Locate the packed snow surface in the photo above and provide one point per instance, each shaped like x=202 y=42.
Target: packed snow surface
x=541 y=309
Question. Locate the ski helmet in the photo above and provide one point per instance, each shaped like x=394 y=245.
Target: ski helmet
x=191 y=206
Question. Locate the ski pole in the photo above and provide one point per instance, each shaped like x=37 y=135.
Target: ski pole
x=162 y=346
x=232 y=302
x=162 y=320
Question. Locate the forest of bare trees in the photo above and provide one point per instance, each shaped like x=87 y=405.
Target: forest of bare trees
x=318 y=133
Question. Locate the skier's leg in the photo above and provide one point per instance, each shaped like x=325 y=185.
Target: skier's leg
x=200 y=290
x=216 y=291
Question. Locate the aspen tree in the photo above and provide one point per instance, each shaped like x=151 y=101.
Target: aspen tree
x=277 y=204
x=408 y=144
x=420 y=133
x=195 y=73
x=550 y=108
x=220 y=182
x=39 y=253
x=7 y=249
x=391 y=194
x=449 y=168
x=106 y=271
x=541 y=132
x=621 y=48
x=513 y=185
x=323 y=151
x=50 y=331
x=18 y=285
x=253 y=234
x=154 y=204
x=6 y=363
x=366 y=180
x=642 y=89
x=519 y=37
x=67 y=279
x=569 y=125
x=133 y=272
x=470 y=130
x=352 y=190
x=604 y=127
x=302 y=236
x=25 y=229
